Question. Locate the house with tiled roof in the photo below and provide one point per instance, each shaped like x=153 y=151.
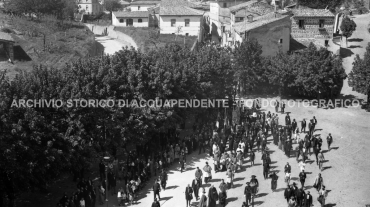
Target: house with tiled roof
x=89 y=7
x=312 y=24
x=130 y=19
x=272 y=31
x=143 y=5
x=179 y=17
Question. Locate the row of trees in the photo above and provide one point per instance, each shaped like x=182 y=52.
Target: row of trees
x=63 y=9
x=40 y=143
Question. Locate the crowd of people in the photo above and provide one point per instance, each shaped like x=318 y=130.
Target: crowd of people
x=229 y=147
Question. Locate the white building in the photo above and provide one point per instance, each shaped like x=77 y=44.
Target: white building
x=130 y=19
x=142 y=5
x=180 y=20
x=92 y=7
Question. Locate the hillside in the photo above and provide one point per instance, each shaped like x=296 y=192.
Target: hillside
x=47 y=41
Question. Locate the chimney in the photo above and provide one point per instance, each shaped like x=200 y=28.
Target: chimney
x=250 y=18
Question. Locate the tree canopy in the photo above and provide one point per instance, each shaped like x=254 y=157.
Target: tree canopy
x=359 y=77
x=347 y=27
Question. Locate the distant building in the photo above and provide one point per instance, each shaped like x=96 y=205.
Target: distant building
x=271 y=30
x=178 y=15
x=130 y=19
x=7 y=43
x=313 y=24
x=142 y=5
x=90 y=7
x=220 y=17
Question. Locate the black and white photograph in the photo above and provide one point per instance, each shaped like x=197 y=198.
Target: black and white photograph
x=184 y=103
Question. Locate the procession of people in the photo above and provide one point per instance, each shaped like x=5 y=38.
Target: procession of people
x=230 y=148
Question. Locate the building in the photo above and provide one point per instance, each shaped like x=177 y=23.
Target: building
x=142 y=5
x=90 y=7
x=220 y=17
x=271 y=30
x=130 y=19
x=178 y=17
x=315 y=24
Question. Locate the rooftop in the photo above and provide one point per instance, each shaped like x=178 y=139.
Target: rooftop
x=253 y=6
x=258 y=22
x=6 y=37
x=131 y=14
x=145 y=2
x=312 y=13
x=179 y=11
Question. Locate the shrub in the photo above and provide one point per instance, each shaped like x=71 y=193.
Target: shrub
x=7 y=30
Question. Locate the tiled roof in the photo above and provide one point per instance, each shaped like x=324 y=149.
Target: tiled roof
x=131 y=14
x=244 y=13
x=6 y=37
x=253 y=6
x=312 y=13
x=175 y=3
x=257 y=22
x=145 y=2
x=179 y=11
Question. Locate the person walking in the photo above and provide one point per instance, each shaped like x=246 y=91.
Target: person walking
x=329 y=140
x=156 y=189
x=321 y=160
x=302 y=178
x=308 y=200
x=203 y=199
x=199 y=176
x=196 y=186
x=266 y=167
x=322 y=196
x=212 y=196
x=282 y=107
x=223 y=187
x=208 y=170
x=288 y=193
x=188 y=195
x=248 y=194
x=319 y=182
x=230 y=176
x=303 y=126
x=276 y=106
x=274 y=179
x=300 y=194
x=287 y=168
x=164 y=179
x=252 y=157
x=292 y=202
x=156 y=203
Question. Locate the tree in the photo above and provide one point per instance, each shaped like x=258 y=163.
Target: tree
x=112 y=5
x=359 y=77
x=279 y=71
x=248 y=64
x=318 y=70
x=347 y=27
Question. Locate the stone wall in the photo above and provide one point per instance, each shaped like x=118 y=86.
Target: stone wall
x=312 y=29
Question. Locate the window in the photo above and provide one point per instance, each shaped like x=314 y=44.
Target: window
x=129 y=22
x=138 y=7
x=225 y=5
x=121 y=20
x=79 y=6
x=139 y=20
x=187 y=22
x=173 y=22
x=301 y=24
x=223 y=28
x=241 y=18
x=87 y=7
x=187 y=34
x=281 y=41
x=321 y=23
